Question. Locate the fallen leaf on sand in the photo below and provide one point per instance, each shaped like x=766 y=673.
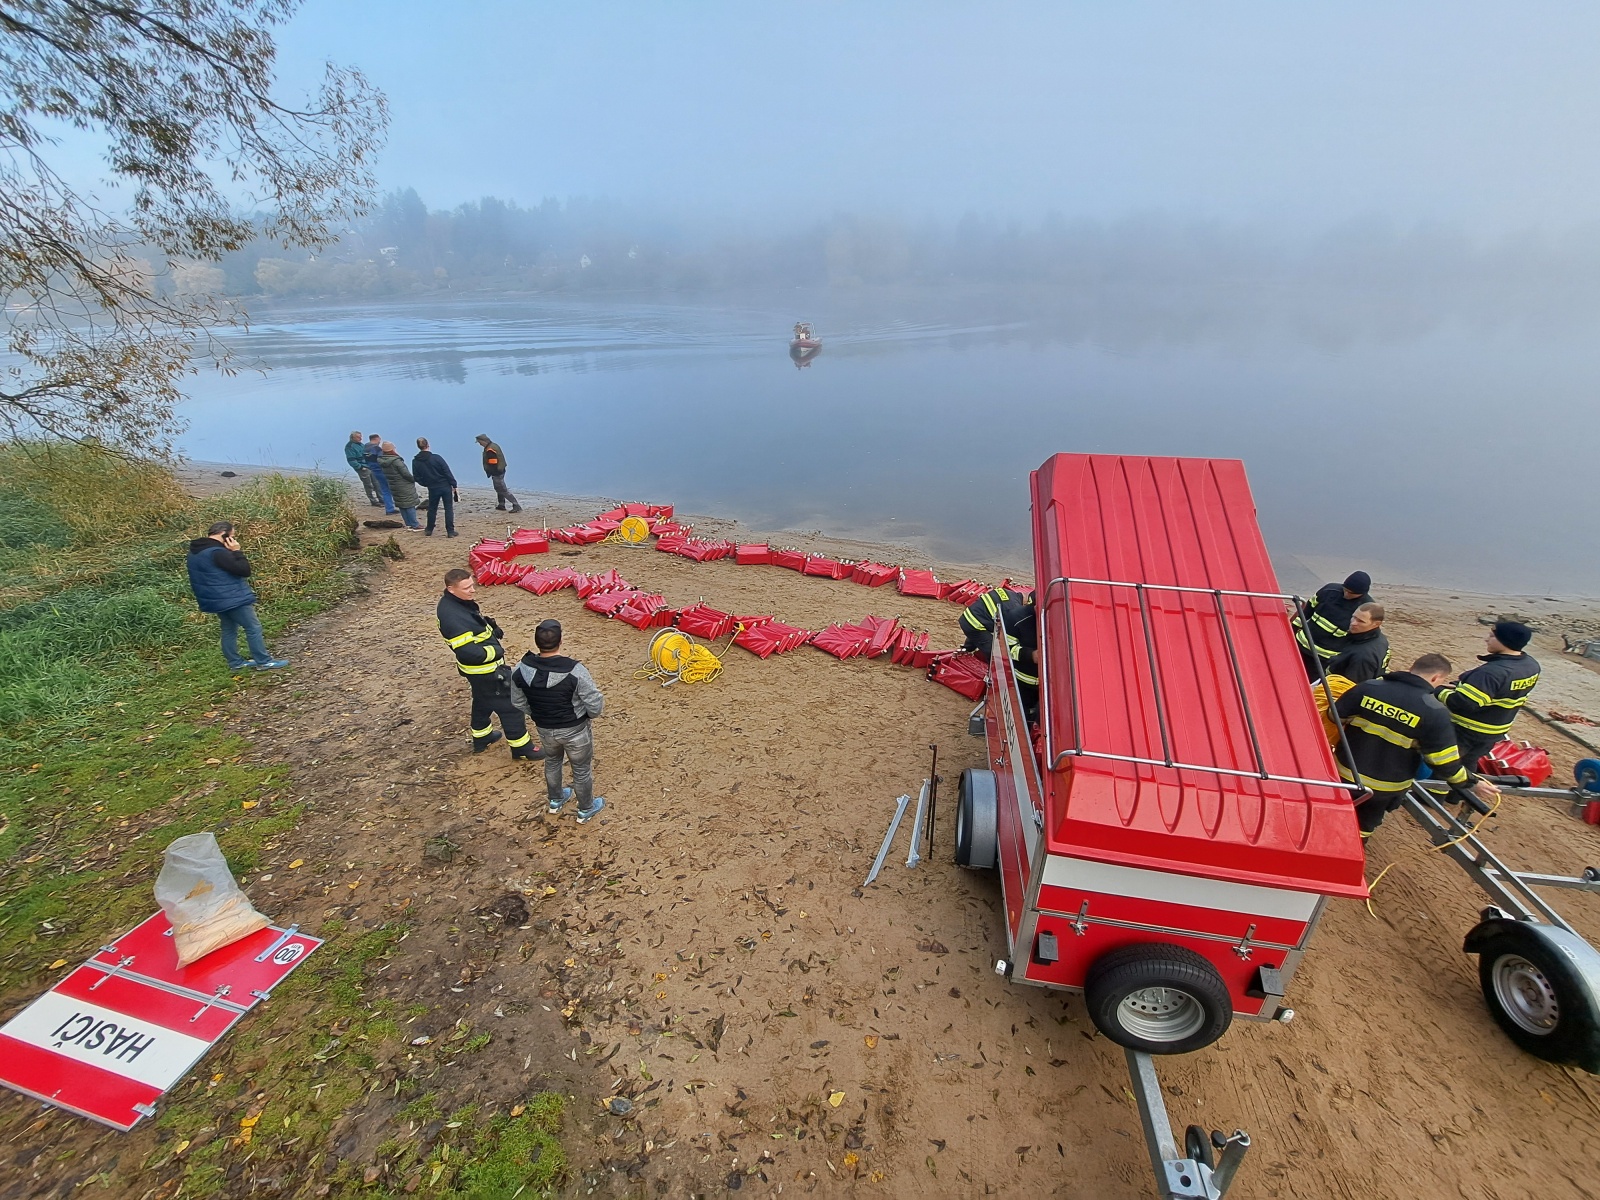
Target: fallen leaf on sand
x=213 y=762
x=836 y=1099
x=518 y=1109
x=549 y=891
x=60 y=962
x=297 y=864
x=180 y=1147
x=248 y=803
x=872 y=1041
x=851 y=1158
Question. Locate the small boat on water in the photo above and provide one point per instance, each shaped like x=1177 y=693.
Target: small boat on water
x=804 y=345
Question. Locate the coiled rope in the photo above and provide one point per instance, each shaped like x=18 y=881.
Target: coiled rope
x=677 y=658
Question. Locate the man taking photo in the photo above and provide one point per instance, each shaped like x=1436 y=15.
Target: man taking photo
x=218 y=575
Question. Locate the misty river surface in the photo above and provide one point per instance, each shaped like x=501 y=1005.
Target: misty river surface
x=1453 y=452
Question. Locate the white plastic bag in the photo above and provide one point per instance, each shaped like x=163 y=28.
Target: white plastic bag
x=205 y=906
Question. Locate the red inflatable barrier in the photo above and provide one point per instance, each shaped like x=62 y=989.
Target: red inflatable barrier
x=1513 y=758
x=528 y=541
x=911 y=649
x=919 y=583
x=842 y=641
x=645 y=612
x=485 y=550
x=965 y=592
x=964 y=673
x=873 y=574
x=552 y=579
x=884 y=631
x=753 y=555
x=606 y=581
x=794 y=560
x=822 y=565
x=772 y=637
x=608 y=602
x=704 y=550
x=703 y=621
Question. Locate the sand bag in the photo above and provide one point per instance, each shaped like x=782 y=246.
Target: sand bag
x=205 y=906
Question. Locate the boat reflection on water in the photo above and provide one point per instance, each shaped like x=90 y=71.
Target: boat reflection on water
x=804 y=346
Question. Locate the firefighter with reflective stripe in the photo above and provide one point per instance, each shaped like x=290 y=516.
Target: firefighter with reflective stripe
x=1330 y=611
x=1394 y=724
x=978 y=619
x=1022 y=640
x=1366 y=649
x=1484 y=701
x=475 y=640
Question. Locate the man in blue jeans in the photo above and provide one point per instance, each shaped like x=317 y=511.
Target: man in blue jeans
x=355 y=453
x=374 y=452
x=219 y=574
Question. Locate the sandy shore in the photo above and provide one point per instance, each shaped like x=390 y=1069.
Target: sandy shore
x=707 y=949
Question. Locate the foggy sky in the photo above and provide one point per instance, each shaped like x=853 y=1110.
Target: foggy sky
x=1479 y=115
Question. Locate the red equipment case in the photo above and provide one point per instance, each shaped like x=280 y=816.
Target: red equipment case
x=1168 y=834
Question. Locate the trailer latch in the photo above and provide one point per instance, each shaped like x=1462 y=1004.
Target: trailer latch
x=1045 y=949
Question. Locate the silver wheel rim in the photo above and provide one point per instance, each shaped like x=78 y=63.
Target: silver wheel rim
x=1159 y=1014
x=1525 y=995
x=961 y=824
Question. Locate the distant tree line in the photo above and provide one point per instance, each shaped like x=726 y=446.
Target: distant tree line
x=403 y=247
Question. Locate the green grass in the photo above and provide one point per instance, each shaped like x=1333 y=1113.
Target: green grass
x=113 y=699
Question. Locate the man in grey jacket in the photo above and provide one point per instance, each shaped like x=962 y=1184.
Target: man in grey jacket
x=563 y=699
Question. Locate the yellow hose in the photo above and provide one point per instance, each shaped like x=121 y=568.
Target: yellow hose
x=675 y=657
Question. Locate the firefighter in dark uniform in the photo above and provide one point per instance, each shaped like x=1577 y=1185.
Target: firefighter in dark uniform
x=475 y=639
x=1366 y=648
x=1329 y=612
x=977 y=620
x=1484 y=701
x=1391 y=726
x=1022 y=639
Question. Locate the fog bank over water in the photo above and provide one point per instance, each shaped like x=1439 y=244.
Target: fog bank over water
x=1373 y=433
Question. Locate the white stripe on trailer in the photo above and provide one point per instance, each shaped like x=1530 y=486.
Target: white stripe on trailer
x=1140 y=884
x=101 y=1037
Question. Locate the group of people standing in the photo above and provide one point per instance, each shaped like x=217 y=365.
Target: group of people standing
x=1398 y=725
x=390 y=484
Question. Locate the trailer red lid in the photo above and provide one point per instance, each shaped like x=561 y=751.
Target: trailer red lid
x=1208 y=682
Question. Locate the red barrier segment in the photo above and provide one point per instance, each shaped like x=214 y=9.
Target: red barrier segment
x=552 y=579
x=703 y=621
x=873 y=574
x=772 y=637
x=753 y=555
x=918 y=582
x=960 y=671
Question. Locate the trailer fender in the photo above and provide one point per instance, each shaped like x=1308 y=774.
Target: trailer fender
x=1541 y=984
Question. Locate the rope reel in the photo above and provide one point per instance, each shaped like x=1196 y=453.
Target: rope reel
x=632 y=532
x=675 y=657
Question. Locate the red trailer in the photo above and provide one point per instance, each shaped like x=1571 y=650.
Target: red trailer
x=1168 y=835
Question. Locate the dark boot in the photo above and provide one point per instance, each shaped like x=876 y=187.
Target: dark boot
x=480 y=744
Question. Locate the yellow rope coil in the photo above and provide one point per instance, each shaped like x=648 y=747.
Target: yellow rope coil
x=675 y=657
x=632 y=532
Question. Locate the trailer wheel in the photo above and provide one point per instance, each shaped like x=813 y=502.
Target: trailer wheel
x=1197 y=1145
x=1534 y=995
x=978 y=821
x=1158 y=998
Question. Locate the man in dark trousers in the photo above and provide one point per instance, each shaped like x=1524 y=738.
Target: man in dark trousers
x=1392 y=725
x=375 y=452
x=494 y=466
x=977 y=620
x=433 y=473
x=219 y=575
x=355 y=453
x=475 y=640
x=1366 y=649
x=1330 y=611
x=1484 y=701
x=563 y=698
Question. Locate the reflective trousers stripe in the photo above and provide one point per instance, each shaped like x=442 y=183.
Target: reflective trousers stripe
x=521 y=741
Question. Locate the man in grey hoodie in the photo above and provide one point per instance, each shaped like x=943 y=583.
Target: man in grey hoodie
x=563 y=699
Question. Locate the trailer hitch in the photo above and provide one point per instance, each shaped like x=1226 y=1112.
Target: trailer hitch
x=1186 y=1173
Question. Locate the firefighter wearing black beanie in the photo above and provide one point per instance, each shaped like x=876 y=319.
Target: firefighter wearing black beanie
x=1323 y=635
x=1484 y=701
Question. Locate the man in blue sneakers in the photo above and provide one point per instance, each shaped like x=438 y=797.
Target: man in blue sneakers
x=219 y=575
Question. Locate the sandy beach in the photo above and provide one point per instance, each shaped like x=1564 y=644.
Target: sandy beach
x=705 y=948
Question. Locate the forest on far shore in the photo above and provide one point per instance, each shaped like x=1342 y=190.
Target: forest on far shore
x=403 y=247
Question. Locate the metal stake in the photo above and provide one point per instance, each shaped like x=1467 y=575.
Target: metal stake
x=916 y=825
x=933 y=794
x=883 y=851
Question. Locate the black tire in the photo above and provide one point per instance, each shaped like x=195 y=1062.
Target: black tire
x=1158 y=998
x=978 y=821
x=1535 y=996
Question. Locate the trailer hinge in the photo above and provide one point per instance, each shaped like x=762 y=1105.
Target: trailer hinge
x=1243 y=949
x=1080 y=923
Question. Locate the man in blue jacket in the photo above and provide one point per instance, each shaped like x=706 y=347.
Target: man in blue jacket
x=219 y=575
x=355 y=453
x=375 y=452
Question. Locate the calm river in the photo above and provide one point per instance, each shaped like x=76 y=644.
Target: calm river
x=1437 y=451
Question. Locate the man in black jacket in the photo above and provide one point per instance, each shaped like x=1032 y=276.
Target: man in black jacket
x=563 y=699
x=475 y=640
x=1366 y=649
x=1392 y=725
x=1484 y=701
x=1330 y=611
x=433 y=473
